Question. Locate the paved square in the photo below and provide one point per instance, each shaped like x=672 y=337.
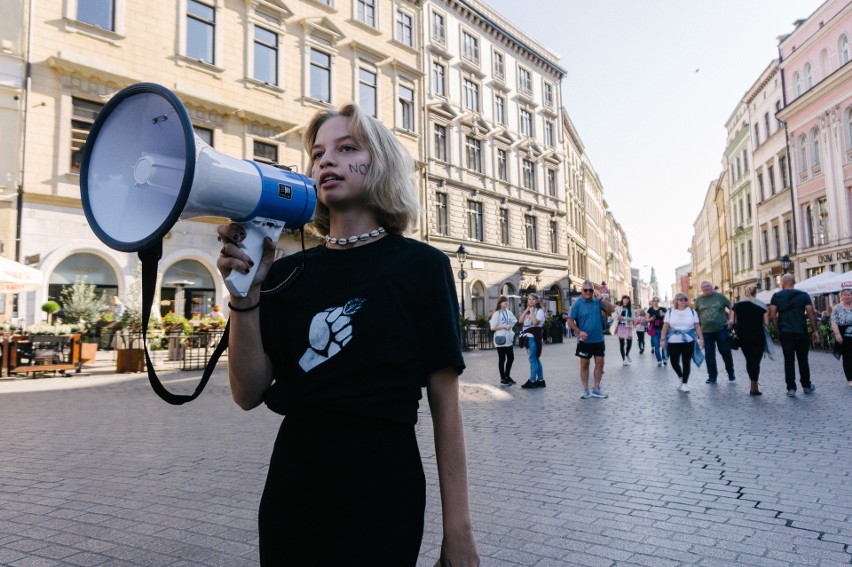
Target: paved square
x=97 y=471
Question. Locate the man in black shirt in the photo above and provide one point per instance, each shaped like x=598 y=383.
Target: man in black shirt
x=787 y=312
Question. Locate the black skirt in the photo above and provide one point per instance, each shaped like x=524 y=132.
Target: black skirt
x=343 y=490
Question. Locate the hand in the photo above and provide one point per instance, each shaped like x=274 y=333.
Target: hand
x=231 y=257
x=838 y=339
x=701 y=343
x=459 y=552
x=816 y=336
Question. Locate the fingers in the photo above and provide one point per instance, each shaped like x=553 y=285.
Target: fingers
x=231 y=257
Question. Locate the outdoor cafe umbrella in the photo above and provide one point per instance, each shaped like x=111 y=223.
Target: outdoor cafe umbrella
x=841 y=282
x=817 y=284
x=17 y=278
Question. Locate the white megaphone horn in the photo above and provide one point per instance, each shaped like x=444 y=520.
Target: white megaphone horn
x=144 y=169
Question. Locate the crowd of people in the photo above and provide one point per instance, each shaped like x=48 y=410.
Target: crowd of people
x=684 y=334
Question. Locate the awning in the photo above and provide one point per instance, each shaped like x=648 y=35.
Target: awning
x=17 y=278
x=818 y=284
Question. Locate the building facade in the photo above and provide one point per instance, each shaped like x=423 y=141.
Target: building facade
x=740 y=229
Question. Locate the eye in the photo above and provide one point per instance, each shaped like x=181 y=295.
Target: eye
x=316 y=155
x=348 y=148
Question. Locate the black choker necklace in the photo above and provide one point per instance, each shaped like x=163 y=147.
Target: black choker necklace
x=353 y=239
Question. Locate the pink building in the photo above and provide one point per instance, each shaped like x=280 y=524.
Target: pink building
x=817 y=111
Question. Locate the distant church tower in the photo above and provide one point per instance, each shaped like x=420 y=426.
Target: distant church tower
x=655 y=286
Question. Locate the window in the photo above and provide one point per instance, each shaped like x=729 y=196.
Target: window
x=406 y=108
x=439 y=28
x=760 y=187
x=765 y=236
x=843 y=49
x=809 y=226
x=766 y=124
x=745 y=162
x=200 y=30
x=551 y=182
x=470 y=47
x=822 y=221
x=524 y=80
x=504 y=227
x=526 y=123
x=502 y=165
x=320 y=76
x=265 y=56
x=548 y=133
x=750 y=255
x=367 y=84
x=554 y=238
x=770 y=172
x=797 y=84
x=499 y=70
x=548 y=94
x=99 y=13
x=531 y=232
x=440 y=133
x=748 y=207
x=500 y=110
x=206 y=134
x=788 y=231
x=849 y=132
x=474 y=221
x=405 y=28
x=803 y=155
x=366 y=12
x=815 y=147
x=83 y=114
x=439 y=79
x=809 y=79
x=441 y=226
x=265 y=153
x=777 y=239
x=778 y=123
x=471 y=95
x=782 y=167
x=756 y=135
x=473 y=149
x=528 y=168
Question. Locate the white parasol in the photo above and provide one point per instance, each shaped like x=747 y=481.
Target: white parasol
x=17 y=278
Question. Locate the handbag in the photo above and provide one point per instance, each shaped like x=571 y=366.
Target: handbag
x=500 y=340
x=734 y=339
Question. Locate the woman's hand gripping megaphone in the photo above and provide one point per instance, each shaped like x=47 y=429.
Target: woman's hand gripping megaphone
x=235 y=259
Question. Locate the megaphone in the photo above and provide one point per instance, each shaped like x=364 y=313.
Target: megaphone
x=144 y=168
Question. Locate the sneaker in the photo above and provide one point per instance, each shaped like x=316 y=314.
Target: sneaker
x=528 y=384
x=665 y=363
x=585 y=395
x=684 y=388
x=810 y=389
x=732 y=377
x=540 y=384
x=596 y=393
x=629 y=360
x=791 y=393
x=710 y=381
x=507 y=381
x=624 y=363
x=659 y=365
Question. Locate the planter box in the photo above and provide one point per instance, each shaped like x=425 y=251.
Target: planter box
x=130 y=360
x=88 y=352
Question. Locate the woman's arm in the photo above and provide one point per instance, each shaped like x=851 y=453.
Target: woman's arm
x=458 y=548
x=838 y=338
x=699 y=335
x=664 y=333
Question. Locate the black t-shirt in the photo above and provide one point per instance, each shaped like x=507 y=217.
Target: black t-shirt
x=659 y=315
x=360 y=329
x=750 y=320
x=791 y=304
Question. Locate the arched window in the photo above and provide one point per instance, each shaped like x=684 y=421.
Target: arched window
x=797 y=84
x=809 y=79
x=843 y=49
x=477 y=299
x=511 y=293
x=815 y=146
x=803 y=154
x=824 y=68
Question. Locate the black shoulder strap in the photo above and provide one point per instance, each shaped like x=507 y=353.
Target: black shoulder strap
x=150 y=257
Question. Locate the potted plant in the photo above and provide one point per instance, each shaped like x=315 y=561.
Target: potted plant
x=50 y=307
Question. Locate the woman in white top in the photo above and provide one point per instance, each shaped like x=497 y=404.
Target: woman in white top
x=502 y=322
x=680 y=331
x=624 y=329
x=532 y=319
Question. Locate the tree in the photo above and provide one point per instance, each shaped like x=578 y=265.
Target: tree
x=132 y=299
x=81 y=301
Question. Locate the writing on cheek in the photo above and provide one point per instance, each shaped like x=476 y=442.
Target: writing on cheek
x=361 y=168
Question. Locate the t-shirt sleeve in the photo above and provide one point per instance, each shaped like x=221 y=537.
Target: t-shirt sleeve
x=695 y=317
x=438 y=323
x=667 y=317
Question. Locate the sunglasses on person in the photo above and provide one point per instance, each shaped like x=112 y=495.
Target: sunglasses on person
x=682 y=299
x=587 y=291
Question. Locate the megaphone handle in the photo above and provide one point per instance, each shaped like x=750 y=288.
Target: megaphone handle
x=256 y=231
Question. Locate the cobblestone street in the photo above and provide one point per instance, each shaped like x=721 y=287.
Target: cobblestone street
x=97 y=471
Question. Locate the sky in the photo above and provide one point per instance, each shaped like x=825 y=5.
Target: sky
x=649 y=87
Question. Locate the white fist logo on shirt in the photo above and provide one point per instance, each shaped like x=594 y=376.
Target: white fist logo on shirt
x=330 y=331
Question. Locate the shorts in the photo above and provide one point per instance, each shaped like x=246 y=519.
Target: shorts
x=588 y=350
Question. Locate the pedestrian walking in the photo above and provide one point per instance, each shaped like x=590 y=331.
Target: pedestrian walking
x=788 y=310
x=345 y=484
x=532 y=335
x=749 y=317
x=841 y=324
x=641 y=324
x=586 y=320
x=502 y=324
x=656 y=315
x=624 y=328
x=712 y=309
x=681 y=330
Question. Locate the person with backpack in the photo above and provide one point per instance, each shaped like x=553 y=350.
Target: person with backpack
x=502 y=324
x=787 y=311
x=681 y=330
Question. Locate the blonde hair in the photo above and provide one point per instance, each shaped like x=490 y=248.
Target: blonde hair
x=390 y=190
x=750 y=290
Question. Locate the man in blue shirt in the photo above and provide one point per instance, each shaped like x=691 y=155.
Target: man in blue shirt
x=586 y=320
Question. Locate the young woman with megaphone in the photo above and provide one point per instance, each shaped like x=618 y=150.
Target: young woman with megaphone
x=317 y=339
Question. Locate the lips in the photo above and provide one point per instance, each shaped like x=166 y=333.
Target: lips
x=329 y=178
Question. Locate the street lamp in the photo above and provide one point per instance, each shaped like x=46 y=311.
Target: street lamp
x=461 y=254
x=785 y=263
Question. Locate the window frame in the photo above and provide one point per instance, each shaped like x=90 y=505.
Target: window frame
x=473 y=153
x=315 y=67
x=475 y=221
x=440 y=141
x=406 y=108
x=442 y=224
x=366 y=12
